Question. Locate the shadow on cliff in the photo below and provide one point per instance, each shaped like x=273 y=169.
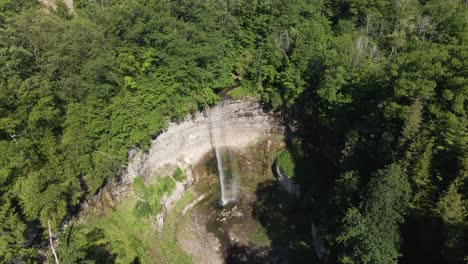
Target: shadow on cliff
x=286 y=226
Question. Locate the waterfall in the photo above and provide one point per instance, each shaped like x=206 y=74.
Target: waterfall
x=222 y=177
x=227 y=179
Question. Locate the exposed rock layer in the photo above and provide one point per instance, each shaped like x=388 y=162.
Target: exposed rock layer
x=53 y=4
x=184 y=144
x=187 y=142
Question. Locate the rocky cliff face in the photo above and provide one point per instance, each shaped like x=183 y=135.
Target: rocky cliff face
x=53 y=4
x=184 y=144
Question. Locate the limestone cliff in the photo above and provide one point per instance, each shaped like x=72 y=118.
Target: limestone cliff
x=186 y=143
x=53 y=4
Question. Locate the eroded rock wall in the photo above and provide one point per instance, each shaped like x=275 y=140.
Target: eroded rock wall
x=184 y=144
x=53 y=4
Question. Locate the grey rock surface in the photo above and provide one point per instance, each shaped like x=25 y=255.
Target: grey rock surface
x=183 y=145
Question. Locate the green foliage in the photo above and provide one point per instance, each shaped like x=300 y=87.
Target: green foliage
x=12 y=229
x=370 y=234
x=259 y=236
x=121 y=235
x=453 y=210
x=178 y=175
x=370 y=83
x=412 y=122
x=143 y=209
x=168 y=248
x=150 y=195
x=118 y=236
x=287 y=163
x=244 y=91
x=346 y=189
x=84 y=246
x=451 y=207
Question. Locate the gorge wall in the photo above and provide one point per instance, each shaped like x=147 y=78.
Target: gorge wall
x=184 y=144
x=53 y=4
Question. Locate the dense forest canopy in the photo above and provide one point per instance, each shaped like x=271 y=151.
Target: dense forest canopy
x=379 y=87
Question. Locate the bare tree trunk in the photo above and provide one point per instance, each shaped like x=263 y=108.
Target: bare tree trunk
x=391 y=53
x=14 y=138
x=52 y=244
x=105 y=154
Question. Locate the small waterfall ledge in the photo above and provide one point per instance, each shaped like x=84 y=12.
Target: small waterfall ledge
x=183 y=145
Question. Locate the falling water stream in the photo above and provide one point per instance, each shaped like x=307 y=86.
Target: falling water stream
x=227 y=178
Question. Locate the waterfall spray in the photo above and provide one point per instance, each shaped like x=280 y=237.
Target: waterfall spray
x=222 y=178
x=228 y=187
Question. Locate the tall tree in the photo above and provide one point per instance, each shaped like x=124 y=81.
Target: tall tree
x=370 y=233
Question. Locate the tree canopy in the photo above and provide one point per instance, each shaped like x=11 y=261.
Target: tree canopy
x=383 y=83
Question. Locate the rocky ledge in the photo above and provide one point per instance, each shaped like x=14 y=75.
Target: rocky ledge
x=184 y=144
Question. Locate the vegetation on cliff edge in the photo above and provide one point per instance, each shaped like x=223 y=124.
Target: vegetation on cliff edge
x=375 y=88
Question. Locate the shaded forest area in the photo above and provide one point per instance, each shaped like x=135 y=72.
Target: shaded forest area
x=377 y=87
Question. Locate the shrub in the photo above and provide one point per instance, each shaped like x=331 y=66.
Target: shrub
x=178 y=175
x=150 y=195
x=286 y=162
x=143 y=209
x=244 y=91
